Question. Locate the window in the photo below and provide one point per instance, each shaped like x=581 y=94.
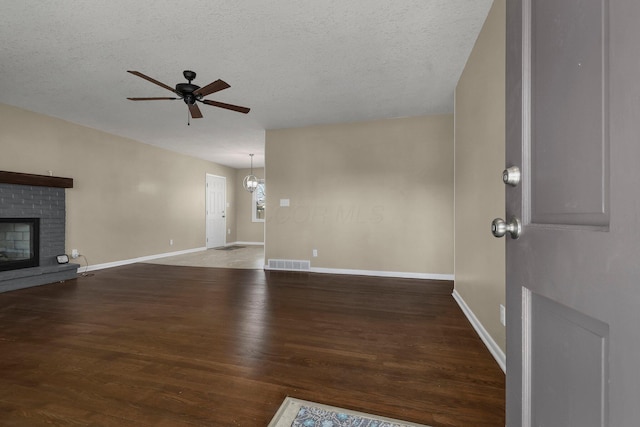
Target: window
x=258 y=202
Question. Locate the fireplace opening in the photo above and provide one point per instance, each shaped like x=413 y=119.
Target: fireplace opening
x=19 y=243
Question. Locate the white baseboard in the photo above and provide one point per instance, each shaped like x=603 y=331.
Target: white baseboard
x=488 y=341
x=140 y=259
x=375 y=273
x=399 y=274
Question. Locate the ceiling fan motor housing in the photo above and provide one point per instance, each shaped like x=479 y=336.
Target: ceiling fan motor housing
x=187 y=89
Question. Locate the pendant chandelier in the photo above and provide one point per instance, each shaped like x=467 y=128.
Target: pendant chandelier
x=250 y=181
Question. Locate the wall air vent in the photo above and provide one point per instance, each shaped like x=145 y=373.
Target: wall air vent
x=289 y=264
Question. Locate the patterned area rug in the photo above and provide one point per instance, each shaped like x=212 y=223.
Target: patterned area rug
x=300 y=413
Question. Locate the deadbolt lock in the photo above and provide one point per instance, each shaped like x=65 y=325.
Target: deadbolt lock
x=511 y=176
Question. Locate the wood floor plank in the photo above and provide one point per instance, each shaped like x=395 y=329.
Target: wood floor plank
x=154 y=345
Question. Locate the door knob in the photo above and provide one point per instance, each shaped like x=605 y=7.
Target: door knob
x=511 y=176
x=499 y=227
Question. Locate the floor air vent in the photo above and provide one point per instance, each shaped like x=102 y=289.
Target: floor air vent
x=289 y=264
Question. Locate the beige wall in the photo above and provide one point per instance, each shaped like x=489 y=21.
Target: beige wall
x=479 y=161
x=375 y=196
x=247 y=230
x=129 y=199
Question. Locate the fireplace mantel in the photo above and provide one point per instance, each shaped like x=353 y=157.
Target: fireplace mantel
x=35 y=180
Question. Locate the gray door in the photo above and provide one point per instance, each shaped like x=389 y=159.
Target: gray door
x=573 y=276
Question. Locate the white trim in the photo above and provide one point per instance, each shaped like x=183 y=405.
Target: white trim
x=399 y=274
x=139 y=259
x=486 y=338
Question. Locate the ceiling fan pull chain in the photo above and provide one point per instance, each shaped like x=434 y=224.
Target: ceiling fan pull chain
x=188 y=118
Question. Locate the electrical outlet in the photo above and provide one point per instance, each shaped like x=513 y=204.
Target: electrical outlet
x=229 y=231
x=74 y=253
x=503 y=315
x=170 y=242
x=315 y=252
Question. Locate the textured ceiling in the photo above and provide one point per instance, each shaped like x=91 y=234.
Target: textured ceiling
x=294 y=62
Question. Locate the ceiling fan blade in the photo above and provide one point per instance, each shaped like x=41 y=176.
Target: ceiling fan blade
x=154 y=81
x=148 y=99
x=216 y=86
x=237 y=108
x=195 y=111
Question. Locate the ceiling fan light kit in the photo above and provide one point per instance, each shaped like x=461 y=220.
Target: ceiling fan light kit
x=191 y=93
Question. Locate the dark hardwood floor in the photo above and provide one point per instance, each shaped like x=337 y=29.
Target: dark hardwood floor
x=154 y=345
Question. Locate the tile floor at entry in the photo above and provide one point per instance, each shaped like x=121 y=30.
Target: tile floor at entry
x=248 y=257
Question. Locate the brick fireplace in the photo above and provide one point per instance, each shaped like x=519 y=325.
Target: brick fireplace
x=24 y=197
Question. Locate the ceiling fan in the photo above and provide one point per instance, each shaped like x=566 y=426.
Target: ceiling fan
x=191 y=93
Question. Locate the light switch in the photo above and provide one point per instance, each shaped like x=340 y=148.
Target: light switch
x=284 y=202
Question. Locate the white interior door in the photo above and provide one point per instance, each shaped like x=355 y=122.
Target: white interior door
x=573 y=275
x=216 y=201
